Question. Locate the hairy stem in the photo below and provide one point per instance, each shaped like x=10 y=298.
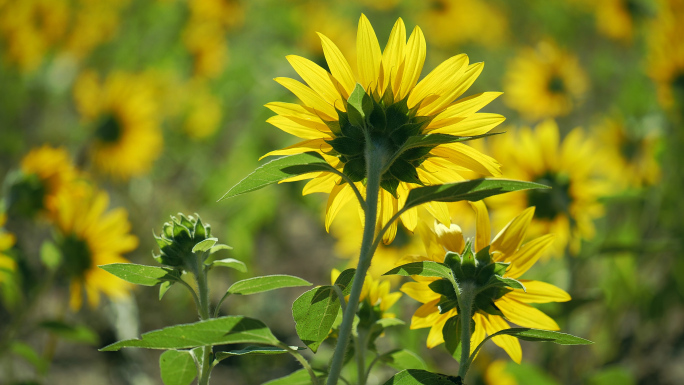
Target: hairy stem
x=465 y=303
x=204 y=311
x=374 y=160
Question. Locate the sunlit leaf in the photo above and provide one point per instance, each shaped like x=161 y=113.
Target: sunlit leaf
x=141 y=274
x=231 y=263
x=314 y=313
x=421 y=377
x=266 y=283
x=177 y=367
x=403 y=359
x=424 y=269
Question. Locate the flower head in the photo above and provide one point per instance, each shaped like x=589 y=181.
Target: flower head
x=89 y=236
x=375 y=298
x=494 y=307
x=574 y=167
x=123 y=111
x=545 y=82
x=666 y=54
x=7 y=240
x=383 y=105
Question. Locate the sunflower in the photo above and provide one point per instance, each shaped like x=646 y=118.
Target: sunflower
x=7 y=240
x=631 y=152
x=545 y=82
x=375 y=295
x=666 y=54
x=31 y=28
x=398 y=108
x=574 y=168
x=89 y=236
x=492 y=308
x=46 y=171
x=93 y=23
x=452 y=22
x=496 y=374
x=123 y=111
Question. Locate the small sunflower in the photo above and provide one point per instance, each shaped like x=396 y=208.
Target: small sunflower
x=495 y=307
x=452 y=22
x=46 y=172
x=574 y=168
x=545 y=82
x=89 y=236
x=376 y=297
x=7 y=240
x=666 y=54
x=631 y=152
x=398 y=108
x=123 y=110
x=93 y=23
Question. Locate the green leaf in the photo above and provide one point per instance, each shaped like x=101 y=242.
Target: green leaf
x=204 y=245
x=74 y=333
x=216 y=331
x=278 y=170
x=452 y=336
x=251 y=350
x=31 y=356
x=539 y=335
x=232 y=263
x=424 y=269
x=421 y=377
x=140 y=274
x=401 y=359
x=360 y=100
x=266 y=283
x=299 y=377
x=389 y=322
x=471 y=190
x=219 y=247
x=510 y=282
x=345 y=279
x=314 y=313
x=164 y=287
x=177 y=367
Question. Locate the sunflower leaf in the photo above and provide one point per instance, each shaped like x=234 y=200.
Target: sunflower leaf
x=424 y=269
x=278 y=170
x=539 y=335
x=314 y=313
x=471 y=190
x=231 y=263
x=253 y=350
x=216 y=331
x=299 y=377
x=403 y=359
x=266 y=283
x=204 y=245
x=177 y=367
x=421 y=377
x=141 y=274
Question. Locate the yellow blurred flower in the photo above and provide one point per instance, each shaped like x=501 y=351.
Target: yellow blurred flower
x=94 y=23
x=375 y=294
x=7 y=240
x=206 y=41
x=31 y=28
x=496 y=374
x=337 y=27
x=124 y=113
x=503 y=305
x=388 y=79
x=666 y=54
x=453 y=22
x=204 y=111
x=617 y=19
x=545 y=82
x=55 y=173
x=89 y=236
x=632 y=154
x=573 y=167
x=229 y=13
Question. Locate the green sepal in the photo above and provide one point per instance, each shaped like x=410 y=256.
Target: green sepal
x=405 y=172
x=452 y=336
x=390 y=185
x=468 y=263
x=422 y=377
x=483 y=256
x=443 y=287
x=355 y=169
x=446 y=304
x=347 y=146
x=360 y=101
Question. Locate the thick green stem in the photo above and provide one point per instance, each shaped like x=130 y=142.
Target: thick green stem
x=465 y=304
x=360 y=351
x=204 y=312
x=374 y=160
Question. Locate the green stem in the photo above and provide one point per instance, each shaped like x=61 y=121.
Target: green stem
x=304 y=362
x=361 y=342
x=465 y=304
x=204 y=311
x=373 y=167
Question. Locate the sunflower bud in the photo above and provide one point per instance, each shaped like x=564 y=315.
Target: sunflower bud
x=179 y=237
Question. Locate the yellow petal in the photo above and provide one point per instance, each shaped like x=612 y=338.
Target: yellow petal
x=453 y=90
x=440 y=211
x=296 y=129
x=548 y=137
x=508 y=343
x=318 y=145
x=368 y=54
x=539 y=292
x=299 y=114
x=333 y=276
x=388 y=300
x=479 y=332
x=393 y=55
x=436 y=336
x=451 y=238
x=339 y=196
x=525 y=315
x=511 y=237
x=413 y=62
x=420 y=291
x=323 y=183
x=475 y=124
x=388 y=207
x=528 y=254
x=338 y=65
x=318 y=79
x=465 y=156
x=425 y=315
x=309 y=97
x=462 y=109
x=435 y=82
x=484 y=229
